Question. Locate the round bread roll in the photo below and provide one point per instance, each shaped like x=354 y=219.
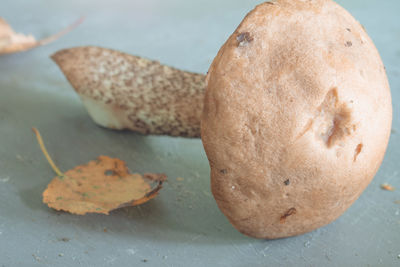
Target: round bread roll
x=297 y=117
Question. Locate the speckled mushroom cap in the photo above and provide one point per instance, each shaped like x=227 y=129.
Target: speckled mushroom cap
x=297 y=117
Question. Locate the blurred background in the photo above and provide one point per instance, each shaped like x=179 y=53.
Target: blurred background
x=183 y=226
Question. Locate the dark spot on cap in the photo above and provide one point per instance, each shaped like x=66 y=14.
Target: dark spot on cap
x=348 y=29
x=244 y=39
x=287 y=182
x=128 y=82
x=348 y=44
x=224 y=171
x=357 y=151
x=288 y=213
x=109 y=173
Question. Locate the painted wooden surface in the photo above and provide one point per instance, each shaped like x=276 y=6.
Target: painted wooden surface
x=183 y=226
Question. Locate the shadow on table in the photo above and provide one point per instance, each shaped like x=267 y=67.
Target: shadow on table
x=184 y=212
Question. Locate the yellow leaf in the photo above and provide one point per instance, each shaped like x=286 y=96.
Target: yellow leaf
x=99 y=186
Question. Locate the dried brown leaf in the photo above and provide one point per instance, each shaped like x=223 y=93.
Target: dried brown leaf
x=12 y=42
x=99 y=186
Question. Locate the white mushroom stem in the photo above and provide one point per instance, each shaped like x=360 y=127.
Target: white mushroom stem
x=121 y=91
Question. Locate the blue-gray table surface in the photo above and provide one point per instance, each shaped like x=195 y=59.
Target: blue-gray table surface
x=182 y=226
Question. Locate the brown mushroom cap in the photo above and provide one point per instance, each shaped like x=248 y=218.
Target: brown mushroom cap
x=297 y=117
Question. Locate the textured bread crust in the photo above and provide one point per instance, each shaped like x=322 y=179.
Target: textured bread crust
x=297 y=117
x=121 y=91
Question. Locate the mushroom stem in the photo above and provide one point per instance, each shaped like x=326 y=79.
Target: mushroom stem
x=122 y=91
